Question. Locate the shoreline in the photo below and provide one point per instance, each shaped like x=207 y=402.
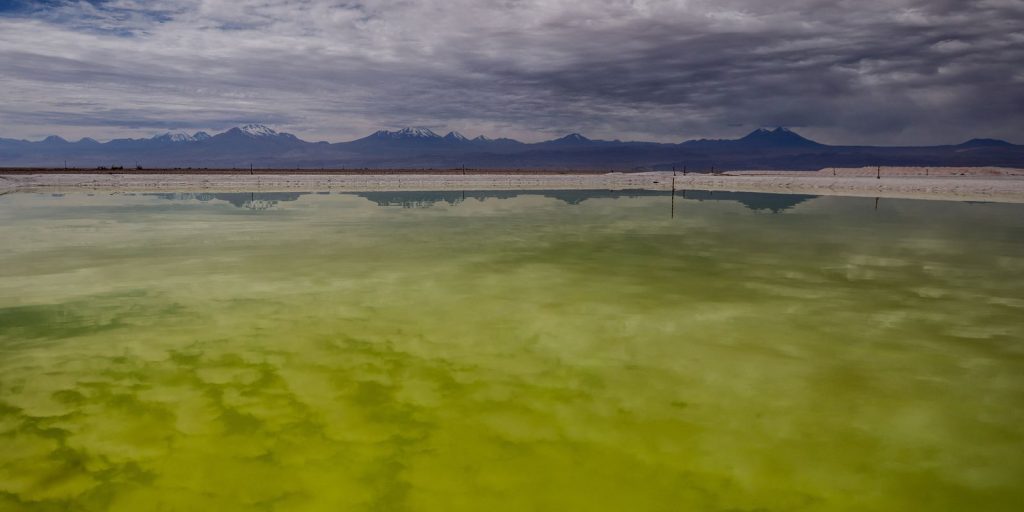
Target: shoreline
x=956 y=184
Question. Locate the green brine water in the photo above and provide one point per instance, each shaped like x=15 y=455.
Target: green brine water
x=548 y=351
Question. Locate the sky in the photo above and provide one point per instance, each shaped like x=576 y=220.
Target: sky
x=839 y=71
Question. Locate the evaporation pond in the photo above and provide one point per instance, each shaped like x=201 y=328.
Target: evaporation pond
x=509 y=351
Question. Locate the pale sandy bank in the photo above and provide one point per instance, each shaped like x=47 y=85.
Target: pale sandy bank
x=965 y=184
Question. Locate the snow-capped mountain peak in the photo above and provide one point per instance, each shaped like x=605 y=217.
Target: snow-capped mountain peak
x=419 y=133
x=482 y=138
x=200 y=136
x=257 y=130
x=407 y=133
x=174 y=137
x=455 y=136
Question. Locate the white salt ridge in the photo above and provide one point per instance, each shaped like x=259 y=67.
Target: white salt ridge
x=980 y=184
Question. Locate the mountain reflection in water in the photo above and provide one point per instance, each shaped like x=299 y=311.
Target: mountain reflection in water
x=775 y=203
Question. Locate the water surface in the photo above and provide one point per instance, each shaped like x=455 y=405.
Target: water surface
x=509 y=351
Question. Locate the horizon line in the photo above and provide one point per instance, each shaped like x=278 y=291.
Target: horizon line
x=478 y=137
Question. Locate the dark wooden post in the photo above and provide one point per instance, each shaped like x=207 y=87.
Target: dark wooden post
x=673 y=214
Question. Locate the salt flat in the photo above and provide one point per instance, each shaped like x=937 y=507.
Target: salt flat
x=966 y=184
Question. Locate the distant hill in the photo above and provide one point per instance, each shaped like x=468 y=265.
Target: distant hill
x=262 y=146
x=777 y=138
x=573 y=139
x=985 y=143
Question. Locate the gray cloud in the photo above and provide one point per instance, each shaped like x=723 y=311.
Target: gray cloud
x=888 y=72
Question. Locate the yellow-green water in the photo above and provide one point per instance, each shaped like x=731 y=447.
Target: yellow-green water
x=558 y=351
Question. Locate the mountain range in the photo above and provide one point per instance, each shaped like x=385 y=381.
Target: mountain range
x=260 y=146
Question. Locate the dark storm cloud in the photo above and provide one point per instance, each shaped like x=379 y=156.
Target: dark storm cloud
x=864 y=72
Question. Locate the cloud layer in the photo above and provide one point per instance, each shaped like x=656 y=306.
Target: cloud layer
x=882 y=72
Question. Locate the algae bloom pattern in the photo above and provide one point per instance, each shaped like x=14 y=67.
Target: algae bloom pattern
x=509 y=352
